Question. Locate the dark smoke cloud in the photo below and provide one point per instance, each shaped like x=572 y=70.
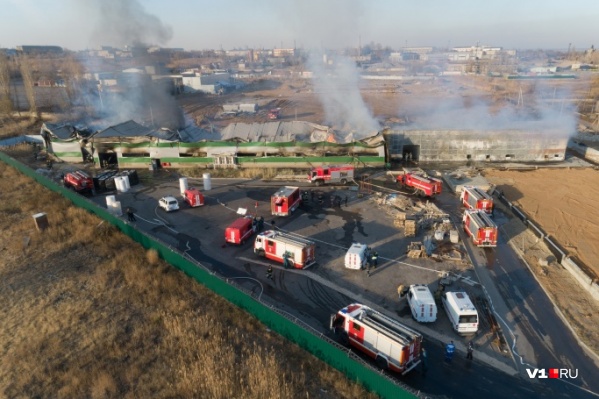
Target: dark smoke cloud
x=126 y=22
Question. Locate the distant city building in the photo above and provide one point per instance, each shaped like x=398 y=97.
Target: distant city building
x=283 y=52
x=40 y=49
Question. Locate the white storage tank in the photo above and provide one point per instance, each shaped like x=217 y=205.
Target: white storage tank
x=126 y=182
x=207 y=182
x=110 y=199
x=183 y=185
x=117 y=210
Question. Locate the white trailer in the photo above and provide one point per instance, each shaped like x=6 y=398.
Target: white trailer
x=356 y=256
x=461 y=312
x=422 y=304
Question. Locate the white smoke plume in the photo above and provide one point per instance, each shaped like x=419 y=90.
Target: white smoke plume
x=538 y=108
x=334 y=24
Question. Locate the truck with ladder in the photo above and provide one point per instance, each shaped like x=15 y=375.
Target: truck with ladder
x=475 y=198
x=479 y=226
x=423 y=186
x=291 y=251
x=331 y=174
x=393 y=345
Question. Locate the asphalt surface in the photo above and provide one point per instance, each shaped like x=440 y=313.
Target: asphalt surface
x=541 y=339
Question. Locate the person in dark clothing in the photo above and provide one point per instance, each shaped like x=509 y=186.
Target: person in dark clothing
x=269 y=272
x=424 y=362
x=470 y=350
x=312 y=195
x=346 y=201
x=130 y=215
x=375 y=259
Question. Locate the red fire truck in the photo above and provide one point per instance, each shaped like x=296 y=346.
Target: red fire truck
x=476 y=199
x=285 y=201
x=481 y=228
x=424 y=186
x=240 y=230
x=284 y=248
x=193 y=197
x=393 y=345
x=331 y=174
x=274 y=113
x=78 y=181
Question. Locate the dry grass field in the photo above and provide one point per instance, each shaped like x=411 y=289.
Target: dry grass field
x=87 y=313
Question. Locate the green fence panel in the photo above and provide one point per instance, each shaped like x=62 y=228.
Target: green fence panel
x=324 y=350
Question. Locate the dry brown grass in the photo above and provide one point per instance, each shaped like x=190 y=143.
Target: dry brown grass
x=88 y=313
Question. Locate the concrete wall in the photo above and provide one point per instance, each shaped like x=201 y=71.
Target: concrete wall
x=464 y=145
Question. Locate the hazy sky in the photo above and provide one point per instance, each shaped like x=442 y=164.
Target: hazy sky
x=196 y=25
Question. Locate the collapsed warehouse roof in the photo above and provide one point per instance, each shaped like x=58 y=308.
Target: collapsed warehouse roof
x=273 y=131
x=65 y=131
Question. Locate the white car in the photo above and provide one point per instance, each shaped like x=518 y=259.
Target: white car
x=168 y=203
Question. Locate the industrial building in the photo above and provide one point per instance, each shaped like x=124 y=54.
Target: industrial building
x=293 y=144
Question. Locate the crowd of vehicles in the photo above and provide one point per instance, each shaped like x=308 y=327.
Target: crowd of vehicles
x=393 y=345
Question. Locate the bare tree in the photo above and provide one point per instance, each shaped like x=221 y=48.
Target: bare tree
x=28 y=82
x=5 y=102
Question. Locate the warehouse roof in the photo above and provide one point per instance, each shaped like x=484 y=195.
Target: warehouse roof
x=125 y=129
x=271 y=131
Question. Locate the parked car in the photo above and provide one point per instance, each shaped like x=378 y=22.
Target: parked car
x=168 y=203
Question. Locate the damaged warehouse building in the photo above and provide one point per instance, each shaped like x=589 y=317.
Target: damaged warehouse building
x=292 y=145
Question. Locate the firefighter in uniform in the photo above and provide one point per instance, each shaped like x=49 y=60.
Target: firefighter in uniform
x=449 y=350
x=375 y=259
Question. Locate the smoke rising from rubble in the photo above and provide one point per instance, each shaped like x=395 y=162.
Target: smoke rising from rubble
x=338 y=88
x=123 y=23
x=529 y=111
x=336 y=79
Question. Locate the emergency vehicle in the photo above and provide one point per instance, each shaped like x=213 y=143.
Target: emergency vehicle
x=423 y=186
x=422 y=304
x=357 y=256
x=461 y=312
x=79 y=181
x=481 y=228
x=285 y=201
x=240 y=230
x=331 y=174
x=476 y=199
x=280 y=247
x=193 y=197
x=393 y=345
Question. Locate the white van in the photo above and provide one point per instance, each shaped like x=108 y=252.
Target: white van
x=422 y=304
x=461 y=312
x=356 y=256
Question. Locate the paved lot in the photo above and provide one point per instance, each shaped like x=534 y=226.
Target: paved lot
x=333 y=229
